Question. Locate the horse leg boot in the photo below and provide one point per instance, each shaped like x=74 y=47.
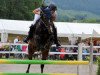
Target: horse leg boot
x=30 y=34
x=55 y=36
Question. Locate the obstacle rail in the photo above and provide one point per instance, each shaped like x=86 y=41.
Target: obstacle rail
x=34 y=74
x=5 y=61
x=79 y=62
x=12 y=61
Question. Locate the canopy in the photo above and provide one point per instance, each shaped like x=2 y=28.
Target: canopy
x=64 y=29
x=14 y=26
x=77 y=29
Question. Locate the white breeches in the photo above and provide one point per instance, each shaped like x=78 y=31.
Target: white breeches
x=36 y=17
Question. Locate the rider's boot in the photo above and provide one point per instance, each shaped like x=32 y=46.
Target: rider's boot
x=30 y=34
x=56 y=41
x=55 y=37
x=26 y=39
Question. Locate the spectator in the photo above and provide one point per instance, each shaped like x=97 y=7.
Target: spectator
x=84 y=51
x=95 y=56
x=98 y=43
x=16 y=40
x=62 y=56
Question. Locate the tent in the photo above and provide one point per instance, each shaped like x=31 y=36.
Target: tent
x=65 y=29
x=14 y=26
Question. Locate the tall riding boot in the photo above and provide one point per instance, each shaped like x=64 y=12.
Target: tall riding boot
x=30 y=34
x=55 y=37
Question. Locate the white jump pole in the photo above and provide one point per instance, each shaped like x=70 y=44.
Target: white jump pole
x=79 y=57
x=91 y=59
x=80 y=51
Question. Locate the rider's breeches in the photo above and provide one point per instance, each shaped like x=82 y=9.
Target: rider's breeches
x=36 y=17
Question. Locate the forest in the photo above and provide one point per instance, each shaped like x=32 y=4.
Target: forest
x=18 y=9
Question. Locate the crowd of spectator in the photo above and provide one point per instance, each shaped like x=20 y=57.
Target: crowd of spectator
x=16 y=46
x=62 y=49
x=75 y=50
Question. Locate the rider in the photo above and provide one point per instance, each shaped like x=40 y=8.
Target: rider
x=37 y=11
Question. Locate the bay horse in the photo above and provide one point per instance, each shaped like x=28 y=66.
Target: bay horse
x=42 y=39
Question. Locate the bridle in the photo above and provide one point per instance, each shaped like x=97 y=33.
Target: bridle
x=47 y=25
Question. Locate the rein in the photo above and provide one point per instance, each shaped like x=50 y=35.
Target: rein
x=47 y=25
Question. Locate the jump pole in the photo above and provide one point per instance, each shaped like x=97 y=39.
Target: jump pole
x=91 y=59
x=60 y=62
x=79 y=58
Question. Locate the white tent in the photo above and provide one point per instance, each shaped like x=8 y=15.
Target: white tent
x=14 y=26
x=76 y=29
x=65 y=29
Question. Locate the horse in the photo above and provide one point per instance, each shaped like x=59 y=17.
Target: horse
x=42 y=40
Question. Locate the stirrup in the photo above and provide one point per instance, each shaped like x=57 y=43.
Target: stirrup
x=58 y=45
x=26 y=41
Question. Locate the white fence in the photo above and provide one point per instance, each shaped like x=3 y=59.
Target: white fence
x=24 y=48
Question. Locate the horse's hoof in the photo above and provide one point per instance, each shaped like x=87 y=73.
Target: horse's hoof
x=27 y=71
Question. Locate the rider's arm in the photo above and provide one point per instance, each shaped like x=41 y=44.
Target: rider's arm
x=37 y=11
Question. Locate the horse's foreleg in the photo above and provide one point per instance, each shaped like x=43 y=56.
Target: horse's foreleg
x=42 y=67
x=44 y=57
x=30 y=58
x=28 y=68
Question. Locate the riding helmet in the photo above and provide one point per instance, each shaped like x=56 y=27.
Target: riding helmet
x=53 y=7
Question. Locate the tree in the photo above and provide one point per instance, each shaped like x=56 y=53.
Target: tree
x=18 y=9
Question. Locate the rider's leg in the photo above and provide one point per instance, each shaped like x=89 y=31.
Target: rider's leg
x=32 y=28
x=30 y=33
x=55 y=36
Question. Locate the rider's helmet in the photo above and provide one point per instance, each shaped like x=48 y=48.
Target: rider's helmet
x=53 y=7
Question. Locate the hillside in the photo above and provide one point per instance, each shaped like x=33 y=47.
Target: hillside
x=68 y=10
x=77 y=9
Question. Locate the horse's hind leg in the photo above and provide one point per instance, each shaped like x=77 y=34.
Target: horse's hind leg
x=44 y=57
x=30 y=58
